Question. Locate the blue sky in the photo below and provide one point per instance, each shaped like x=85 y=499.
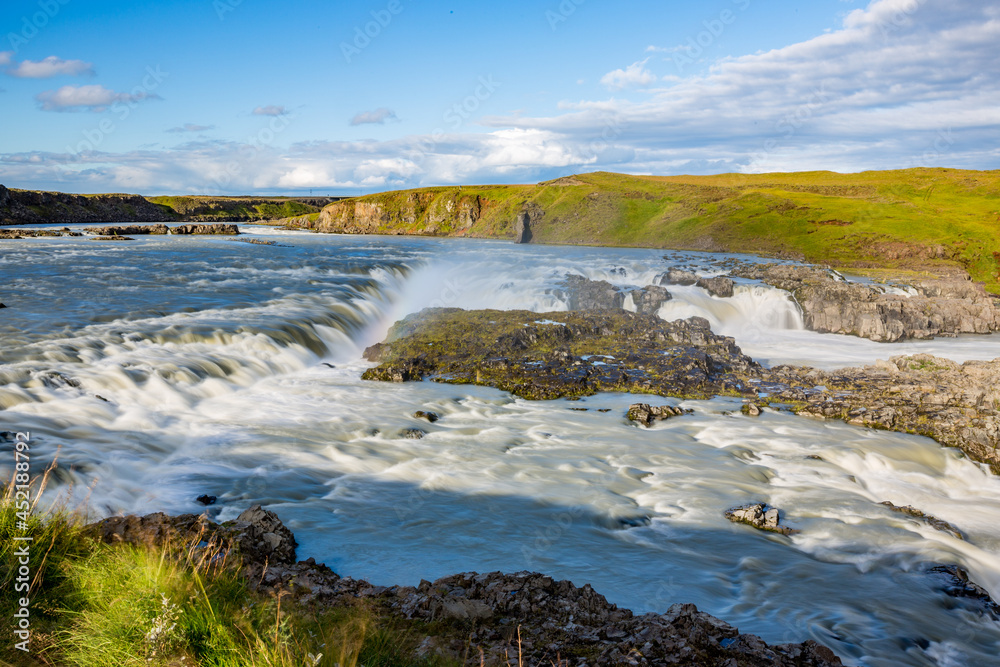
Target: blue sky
x=245 y=96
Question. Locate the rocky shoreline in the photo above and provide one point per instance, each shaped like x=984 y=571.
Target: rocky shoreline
x=526 y=617
x=604 y=348
x=946 y=304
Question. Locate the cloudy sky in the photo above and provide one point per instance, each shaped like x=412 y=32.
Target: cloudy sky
x=247 y=96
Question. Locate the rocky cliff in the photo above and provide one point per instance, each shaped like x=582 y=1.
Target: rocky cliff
x=20 y=207
x=433 y=212
x=34 y=207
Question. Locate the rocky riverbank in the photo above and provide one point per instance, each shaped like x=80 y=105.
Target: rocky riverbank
x=944 y=305
x=956 y=404
x=491 y=619
x=571 y=354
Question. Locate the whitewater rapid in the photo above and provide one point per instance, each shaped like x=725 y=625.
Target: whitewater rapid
x=180 y=366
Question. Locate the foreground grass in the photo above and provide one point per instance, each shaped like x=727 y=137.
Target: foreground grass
x=94 y=605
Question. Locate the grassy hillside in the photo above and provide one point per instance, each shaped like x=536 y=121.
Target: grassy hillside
x=912 y=219
x=209 y=209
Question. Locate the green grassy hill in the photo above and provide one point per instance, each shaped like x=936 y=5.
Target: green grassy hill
x=910 y=219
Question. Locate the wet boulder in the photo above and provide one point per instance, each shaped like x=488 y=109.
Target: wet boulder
x=719 y=286
x=645 y=414
x=760 y=516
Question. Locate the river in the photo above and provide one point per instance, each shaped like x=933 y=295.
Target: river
x=168 y=367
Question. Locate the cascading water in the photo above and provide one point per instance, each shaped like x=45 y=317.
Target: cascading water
x=181 y=366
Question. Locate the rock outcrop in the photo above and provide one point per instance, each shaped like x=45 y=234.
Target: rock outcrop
x=719 y=286
x=207 y=229
x=581 y=293
x=34 y=207
x=932 y=521
x=128 y=230
x=527 y=615
x=956 y=404
x=551 y=355
x=761 y=517
x=645 y=414
x=428 y=213
x=956 y=583
x=940 y=306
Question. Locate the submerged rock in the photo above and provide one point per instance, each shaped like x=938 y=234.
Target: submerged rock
x=933 y=522
x=429 y=416
x=957 y=584
x=412 y=433
x=760 y=516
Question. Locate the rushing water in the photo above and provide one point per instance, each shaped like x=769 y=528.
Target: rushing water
x=168 y=367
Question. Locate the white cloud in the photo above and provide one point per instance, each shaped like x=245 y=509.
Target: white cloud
x=90 y=98
x=191 y=127
x=902 y=83
x=47 y=68
x=377 y=117
x=635 y=74
x=6 y=58
x=270 y=110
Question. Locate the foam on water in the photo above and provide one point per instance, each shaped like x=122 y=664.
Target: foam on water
x=233 y=369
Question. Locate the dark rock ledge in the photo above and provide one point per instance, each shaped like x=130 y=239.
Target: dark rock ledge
x=571 y=354
x=200 y=229
x=550 y=620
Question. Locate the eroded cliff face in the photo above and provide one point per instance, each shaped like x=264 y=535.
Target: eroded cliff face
x=429 y=213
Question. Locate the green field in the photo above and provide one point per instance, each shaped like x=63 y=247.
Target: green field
x=916 y=219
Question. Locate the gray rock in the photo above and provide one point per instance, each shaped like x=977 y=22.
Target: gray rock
x=719 y=286
x=931 y=521
x=943 y=306
x=585 y=294
x=412 y=433
x=759 y=516
x=957 y=584
x=678 y=277
x=649 y=299
x=645 y=414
